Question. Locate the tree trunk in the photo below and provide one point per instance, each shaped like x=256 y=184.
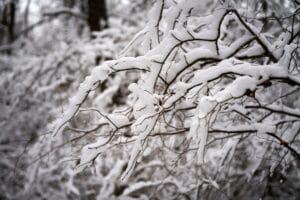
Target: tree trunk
x=11 y=20
x=8 y=20
x=97 y=15
x=7 y=24
x=26 y=14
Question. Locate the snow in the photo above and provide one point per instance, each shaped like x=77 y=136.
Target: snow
x=119 y=120
x=237 y=88
x=202 y=52
x=264 y=128
x=143 y=126
x=99 y=73
x=88 y=154
x=178 y=112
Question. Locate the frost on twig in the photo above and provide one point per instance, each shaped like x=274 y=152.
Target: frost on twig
x=202 y=79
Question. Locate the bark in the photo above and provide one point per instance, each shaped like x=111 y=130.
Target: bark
x=8 y=20
x=97 y=15
x=11 y=20
x=7 y=25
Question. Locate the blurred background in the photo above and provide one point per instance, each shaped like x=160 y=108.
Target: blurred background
x=46 y=49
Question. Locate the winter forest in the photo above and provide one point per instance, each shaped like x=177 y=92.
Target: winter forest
x=150 y=99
